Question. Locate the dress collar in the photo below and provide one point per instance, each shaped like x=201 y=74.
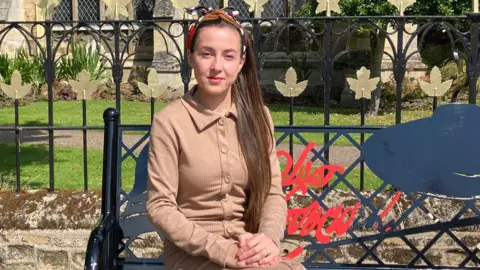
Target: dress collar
x=201 y=115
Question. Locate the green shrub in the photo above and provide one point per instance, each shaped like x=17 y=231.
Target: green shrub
x=30 y=67
x=436 y=54
x=305 y=10
x=457 y=72
x=300 y=65
x=411 y=90
x=4 y=67
x=82 y=57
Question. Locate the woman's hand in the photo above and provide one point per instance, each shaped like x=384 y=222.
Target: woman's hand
x=257 y=249
x=233 y=261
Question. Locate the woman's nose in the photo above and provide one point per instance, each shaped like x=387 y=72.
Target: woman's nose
x=217 y=64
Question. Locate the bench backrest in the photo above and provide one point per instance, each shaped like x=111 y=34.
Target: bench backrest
x=129 y=207
x=136 y=230
x=133 y=220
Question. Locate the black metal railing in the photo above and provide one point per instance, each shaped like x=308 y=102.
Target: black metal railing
x=327 y=42
x=409 y=245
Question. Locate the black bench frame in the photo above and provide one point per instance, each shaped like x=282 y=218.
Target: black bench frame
x=105 y=242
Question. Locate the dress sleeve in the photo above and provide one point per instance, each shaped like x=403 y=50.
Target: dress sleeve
x=274 y=212
x=162 y=208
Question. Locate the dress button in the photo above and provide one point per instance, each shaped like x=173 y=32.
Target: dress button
x=225 y=198
x=221 y=122
x=224 y=149
x=228 y=178
x=230 y=230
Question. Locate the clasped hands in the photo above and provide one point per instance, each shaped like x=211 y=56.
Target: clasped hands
x=254 y=250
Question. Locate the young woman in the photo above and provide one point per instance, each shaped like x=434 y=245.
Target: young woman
x=214 y=186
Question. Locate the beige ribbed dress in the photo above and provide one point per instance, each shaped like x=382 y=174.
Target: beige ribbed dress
x=197 y=183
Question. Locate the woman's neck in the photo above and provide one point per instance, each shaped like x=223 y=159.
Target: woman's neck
x=217 y=103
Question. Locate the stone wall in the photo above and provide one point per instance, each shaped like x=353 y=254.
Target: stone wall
x=4 y=6
x=50 y=231
x=46 y=231
x=43 y=249
x=65 y=249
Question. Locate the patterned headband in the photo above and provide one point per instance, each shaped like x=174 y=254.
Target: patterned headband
x=227 y=14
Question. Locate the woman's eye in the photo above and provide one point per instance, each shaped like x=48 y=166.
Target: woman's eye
x=206 y=54
x=230 y=56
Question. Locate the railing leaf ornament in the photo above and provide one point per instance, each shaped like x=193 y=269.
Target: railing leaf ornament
x=115 y=8
x=153 y=89
x=16 y=90
x=328 y=5
x=83 y=86
x=256 y=6
x=402 y=4
x=436 y=88
x=47 y=7
x=291 y=88
x=363 y=86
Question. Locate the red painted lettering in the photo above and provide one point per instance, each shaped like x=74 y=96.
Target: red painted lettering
x=338 y=226
x=297 y=251
x=313 y=217
x=301 y=175
x=390 y=205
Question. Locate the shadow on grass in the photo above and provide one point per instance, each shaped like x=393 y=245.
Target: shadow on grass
x=285 y=108
x=29 y=136
x=36 y=123
x=28 y=124
x=30 y=155
x=34 y=157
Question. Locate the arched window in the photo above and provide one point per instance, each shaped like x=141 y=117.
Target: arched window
x=92 y=10
x=273 y=8
x=77 y=10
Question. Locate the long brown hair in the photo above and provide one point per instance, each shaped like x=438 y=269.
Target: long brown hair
x=253 y=127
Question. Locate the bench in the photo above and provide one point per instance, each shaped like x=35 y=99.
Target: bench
x=123 y=216
x=105 y=242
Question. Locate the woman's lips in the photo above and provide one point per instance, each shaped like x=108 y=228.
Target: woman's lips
x=215 y=79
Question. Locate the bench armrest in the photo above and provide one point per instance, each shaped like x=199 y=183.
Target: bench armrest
x=97 y=256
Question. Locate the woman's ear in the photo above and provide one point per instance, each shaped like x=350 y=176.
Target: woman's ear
x=189 y=58
x=242 y=62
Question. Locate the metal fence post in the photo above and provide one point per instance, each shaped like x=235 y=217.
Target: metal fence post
x=49 y=77
x=473 y=62
x=109 y=186
x=399 y=71
x=185 y=71
x=117 y=69
x=327 y=77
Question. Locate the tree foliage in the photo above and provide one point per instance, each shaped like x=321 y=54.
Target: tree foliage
x=383 y=7
x=440 y=7
x=436 y=46
x=366 y=8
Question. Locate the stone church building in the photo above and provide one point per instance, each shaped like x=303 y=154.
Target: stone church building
x=161 y=51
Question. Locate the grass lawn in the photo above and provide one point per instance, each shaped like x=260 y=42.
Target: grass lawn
x=68 y=169
x=69 y=113
x=69 y=161
x=338 y=117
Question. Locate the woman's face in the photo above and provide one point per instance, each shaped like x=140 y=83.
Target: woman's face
x=216 y=59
